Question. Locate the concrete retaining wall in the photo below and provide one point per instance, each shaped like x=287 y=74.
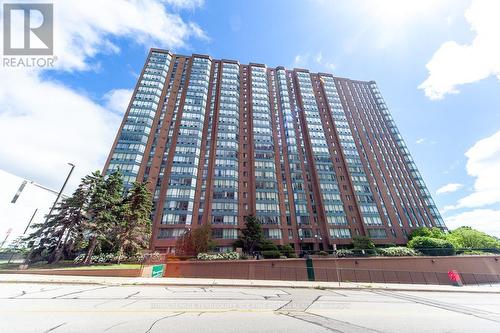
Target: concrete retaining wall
x=428 y=270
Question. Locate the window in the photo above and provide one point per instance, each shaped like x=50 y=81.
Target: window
x=272 y=233
x=305 y=233
x=340 y=233
x=225 y=233
x=377 y=233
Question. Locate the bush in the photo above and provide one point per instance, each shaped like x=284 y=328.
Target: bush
x=397 y=251
x=468 y=238
x=267 y=246
x=218 y=256
x=362 y=243
x=271 y=254
x=432 y=246
x=323 y=253
x=104 y=258
x=287 y=250
x=79 y=258
x=343 y=253
x=427 y=232
x=291 y=255
x=364 y=253
x=473 y=253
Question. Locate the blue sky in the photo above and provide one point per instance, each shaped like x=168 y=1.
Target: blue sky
x=447 y=48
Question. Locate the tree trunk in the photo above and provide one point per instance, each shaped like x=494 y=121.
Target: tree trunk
x=53 y=257
x=120 y=250
x=60 y=249
x=90 y=251
x=119 y=255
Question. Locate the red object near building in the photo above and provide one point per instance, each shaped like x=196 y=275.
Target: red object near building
x=455 y=278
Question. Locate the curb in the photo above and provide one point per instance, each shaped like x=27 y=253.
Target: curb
x=353 y=286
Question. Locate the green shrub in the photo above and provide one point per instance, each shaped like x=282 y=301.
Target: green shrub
x=468 y=238
x=267 y=246
x=271 y=254
x=104 y=258
x=364 y=253
x=291 y=255
x=362 y=243
x=322 y=253
x=397 y=251
x=427 y=232
x=472 y=253
x=343 y=253
x=218 y=256
x=287 y=250
x=432 y=246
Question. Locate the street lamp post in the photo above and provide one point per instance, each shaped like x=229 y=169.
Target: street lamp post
x=60 y=192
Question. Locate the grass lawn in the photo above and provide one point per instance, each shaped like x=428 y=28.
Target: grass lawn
x=71 y=265
x=109 y=266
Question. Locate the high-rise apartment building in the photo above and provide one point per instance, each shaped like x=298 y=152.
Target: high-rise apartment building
x=316 y=158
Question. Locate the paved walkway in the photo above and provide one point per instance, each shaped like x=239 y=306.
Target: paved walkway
x=117 y=281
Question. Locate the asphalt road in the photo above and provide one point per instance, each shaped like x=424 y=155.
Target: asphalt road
x=98 y=308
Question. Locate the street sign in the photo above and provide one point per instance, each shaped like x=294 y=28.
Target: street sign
x=157 y=271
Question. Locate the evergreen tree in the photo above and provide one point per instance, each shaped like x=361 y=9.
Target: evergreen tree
x=43 y=241
x=104 y=208
x=133 y=228
x=78 y=206
x=64 y=227
x=251 y=236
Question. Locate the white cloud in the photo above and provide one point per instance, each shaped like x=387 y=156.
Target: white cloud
x=189 y=4
x=485 y=220
x=449 y=188
x=301 y=60
x=117 y=100
x=83 y=29
x=45 y=124
x=318 y=61
x=455 y=64
x=483 y=164
x=419 y=141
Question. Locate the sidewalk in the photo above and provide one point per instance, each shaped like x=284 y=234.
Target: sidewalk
x=119 y=281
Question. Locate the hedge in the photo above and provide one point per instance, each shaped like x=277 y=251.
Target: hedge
x=397 y=251
x=432 y=246
x=271 y=254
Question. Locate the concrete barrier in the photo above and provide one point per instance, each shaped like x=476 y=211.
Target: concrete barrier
x=425 y=270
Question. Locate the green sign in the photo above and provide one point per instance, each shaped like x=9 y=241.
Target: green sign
x=157 y=271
